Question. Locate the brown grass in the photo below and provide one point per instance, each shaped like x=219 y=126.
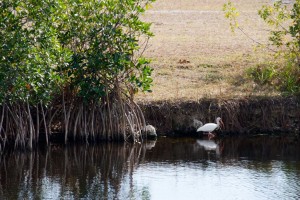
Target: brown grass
x=194 y=53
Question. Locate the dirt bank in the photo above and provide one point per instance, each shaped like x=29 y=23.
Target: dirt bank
x=251 y=115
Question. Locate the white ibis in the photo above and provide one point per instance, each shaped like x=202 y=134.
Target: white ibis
x=210 y=127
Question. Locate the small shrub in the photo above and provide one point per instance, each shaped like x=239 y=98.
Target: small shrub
x=262 y=74
x=284 y=41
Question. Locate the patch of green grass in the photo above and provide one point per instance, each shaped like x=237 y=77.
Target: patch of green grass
x=213 y=77
x=205 y=66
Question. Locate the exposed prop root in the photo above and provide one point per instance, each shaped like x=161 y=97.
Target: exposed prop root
x=115 y=121
x=113 y=118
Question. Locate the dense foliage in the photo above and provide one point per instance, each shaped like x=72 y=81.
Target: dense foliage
x=30 y=51
x=284 y=21
x=66 y=54
x=85 y=45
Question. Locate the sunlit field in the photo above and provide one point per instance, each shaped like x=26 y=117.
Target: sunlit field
x=195 y=54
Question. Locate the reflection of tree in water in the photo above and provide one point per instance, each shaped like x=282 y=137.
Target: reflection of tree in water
x=74 y=172
x=106 y=171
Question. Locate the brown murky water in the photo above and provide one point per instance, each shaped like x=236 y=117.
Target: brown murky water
x=183 y=168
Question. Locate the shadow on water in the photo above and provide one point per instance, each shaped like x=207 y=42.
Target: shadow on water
x=261 y=148
x=251 y=148
x=106 y=170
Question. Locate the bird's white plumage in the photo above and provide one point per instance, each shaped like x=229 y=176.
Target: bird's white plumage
x=209 y=127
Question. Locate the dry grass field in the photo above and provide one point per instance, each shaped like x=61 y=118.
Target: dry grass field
x=194 y=53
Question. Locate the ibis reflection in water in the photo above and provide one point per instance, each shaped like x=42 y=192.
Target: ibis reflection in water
x=210 y=127
x=210 y=145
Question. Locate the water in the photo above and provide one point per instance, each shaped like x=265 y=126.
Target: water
x=182 y=168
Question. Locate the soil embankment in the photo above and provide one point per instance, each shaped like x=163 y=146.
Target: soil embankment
x=251 y=115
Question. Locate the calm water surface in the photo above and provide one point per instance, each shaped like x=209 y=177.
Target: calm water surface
x=182 y=168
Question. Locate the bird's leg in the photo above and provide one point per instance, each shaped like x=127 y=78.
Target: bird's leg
x=211 y=135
